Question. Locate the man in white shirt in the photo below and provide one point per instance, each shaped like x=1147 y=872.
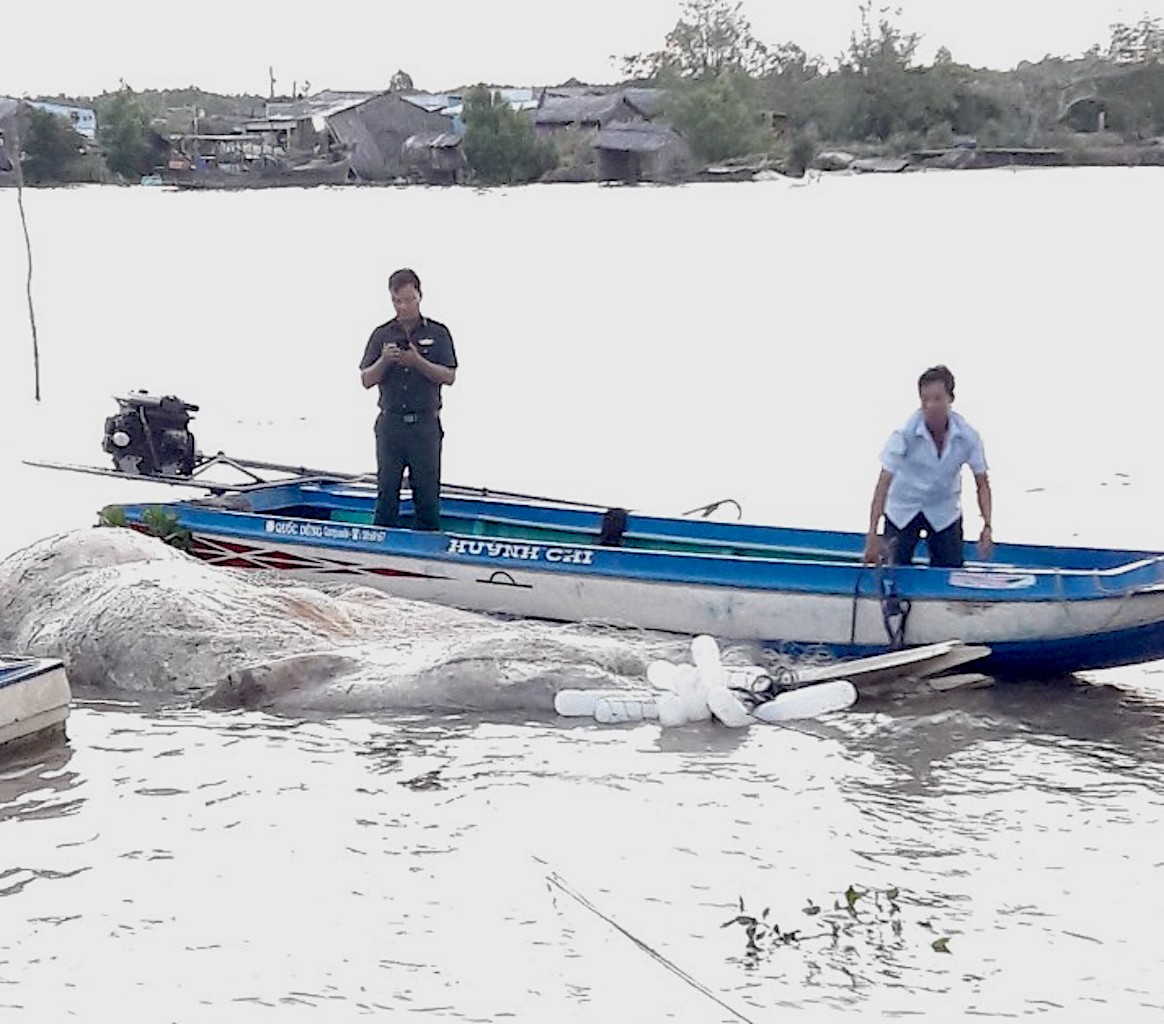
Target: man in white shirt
x=920 y=486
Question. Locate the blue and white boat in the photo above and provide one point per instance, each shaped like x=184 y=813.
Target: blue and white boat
x=34 y=700
x=1041 y=610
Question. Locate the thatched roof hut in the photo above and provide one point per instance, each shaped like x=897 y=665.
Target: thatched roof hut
x=593 y=111
x=633 y=151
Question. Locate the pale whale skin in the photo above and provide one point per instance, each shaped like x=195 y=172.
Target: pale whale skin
x=127 y=613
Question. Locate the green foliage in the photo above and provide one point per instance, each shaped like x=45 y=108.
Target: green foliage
x=861 y=923
x=710 y=38
x=882 y=97
x=112 y=515
x=1142 y=43
x=878 y=96
x=714 y=117
x=163 y=524
x=500 y=144
x=156 y=521
x=54 y=150
x=1135 y=100
x=124 y=133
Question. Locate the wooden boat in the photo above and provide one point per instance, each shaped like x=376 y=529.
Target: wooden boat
x=1040 y=610
x=269 y=175
x=34 y=700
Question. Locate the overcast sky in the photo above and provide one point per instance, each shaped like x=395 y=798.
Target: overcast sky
x=86 y=47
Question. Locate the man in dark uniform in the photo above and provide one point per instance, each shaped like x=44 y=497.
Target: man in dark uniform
x=411 y=358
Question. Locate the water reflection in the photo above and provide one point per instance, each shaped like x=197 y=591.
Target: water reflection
x=1103 y=726
x=38 y=784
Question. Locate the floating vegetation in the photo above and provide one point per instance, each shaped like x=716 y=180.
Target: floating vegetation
x=859 y=920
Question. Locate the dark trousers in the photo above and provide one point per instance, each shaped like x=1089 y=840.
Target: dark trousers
x=411 y=442
x=944 y=546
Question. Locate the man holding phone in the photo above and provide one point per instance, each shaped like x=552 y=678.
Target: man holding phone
x=411 y=357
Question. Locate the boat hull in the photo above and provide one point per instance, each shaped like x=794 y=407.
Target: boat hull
x=1027 y=637
x=34 y=701
x=331 y=173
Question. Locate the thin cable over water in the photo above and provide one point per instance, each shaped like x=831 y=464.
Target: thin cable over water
x=559 y=882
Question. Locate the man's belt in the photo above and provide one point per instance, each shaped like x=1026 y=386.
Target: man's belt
x=401 y=416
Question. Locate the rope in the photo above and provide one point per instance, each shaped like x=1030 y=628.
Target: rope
x=894 y=607
x=28 y=281
x=557 y=880
x=706 y=510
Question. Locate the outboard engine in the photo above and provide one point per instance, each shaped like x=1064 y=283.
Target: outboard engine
x=150 y=435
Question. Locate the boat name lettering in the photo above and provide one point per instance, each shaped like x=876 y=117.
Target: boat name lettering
x=323 y=531
x=523 y=552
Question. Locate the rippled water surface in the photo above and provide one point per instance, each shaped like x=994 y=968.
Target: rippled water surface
x=195 y=866
x=653 y=348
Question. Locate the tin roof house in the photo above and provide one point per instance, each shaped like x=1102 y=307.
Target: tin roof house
x=586 y=113
x=375 y=131
x=83 y=120
x=327 y=138
x=620 y=130
x=435 y=158
x=637 y=151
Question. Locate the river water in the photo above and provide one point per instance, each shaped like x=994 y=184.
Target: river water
x=652 y=348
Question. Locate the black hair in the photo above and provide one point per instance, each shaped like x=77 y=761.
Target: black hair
x=939 y=374
x=403 y=277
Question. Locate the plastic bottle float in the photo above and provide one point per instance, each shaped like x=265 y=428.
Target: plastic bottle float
x=734 y=695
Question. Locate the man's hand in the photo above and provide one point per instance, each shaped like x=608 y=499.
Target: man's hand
x=986 y=543
x=410 y=357
x=874 y=548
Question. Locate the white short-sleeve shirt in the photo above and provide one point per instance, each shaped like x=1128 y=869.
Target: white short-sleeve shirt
x=923 y=480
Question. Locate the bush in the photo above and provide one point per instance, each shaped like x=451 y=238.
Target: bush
x=125 y=136
x=53 y=150
x=714 y=117
x=500 y=144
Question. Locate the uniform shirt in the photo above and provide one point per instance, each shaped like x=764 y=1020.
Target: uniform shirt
x=403 y=390
x=923 y=480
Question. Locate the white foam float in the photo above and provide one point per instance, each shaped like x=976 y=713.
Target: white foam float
x=701 y=690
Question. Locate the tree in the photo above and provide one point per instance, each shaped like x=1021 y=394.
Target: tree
x=125 y=135
x=401 y=82
x=53 y=149
x=1142 y=43
x=783 y=88
x=714 y=117
x=878 y=66
x=710 y=38
x=500 y=144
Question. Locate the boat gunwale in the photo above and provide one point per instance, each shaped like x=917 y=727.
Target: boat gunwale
x=19 y=669
x=918 y=581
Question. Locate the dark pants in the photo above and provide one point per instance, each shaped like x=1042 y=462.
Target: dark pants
x=944 y=546
x=411 y=441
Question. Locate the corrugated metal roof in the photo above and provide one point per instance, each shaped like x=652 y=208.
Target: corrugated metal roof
x=646 y=99
x=321 y=105
x=433 y=140
x=577 y=109
x=634 y=137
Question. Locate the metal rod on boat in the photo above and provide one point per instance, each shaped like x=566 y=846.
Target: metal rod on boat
x=467 y=491
x=277 y=467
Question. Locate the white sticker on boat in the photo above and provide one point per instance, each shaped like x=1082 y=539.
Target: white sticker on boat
x=323 y=531
x=992 y=580
x=522 y=552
